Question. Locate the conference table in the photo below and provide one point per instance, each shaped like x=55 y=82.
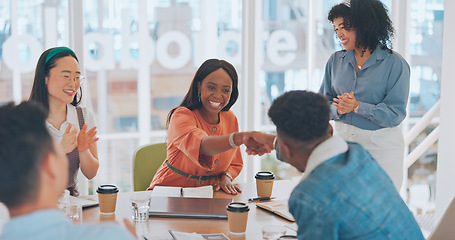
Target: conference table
x=158 y=228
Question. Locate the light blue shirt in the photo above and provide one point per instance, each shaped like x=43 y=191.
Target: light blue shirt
x=381 y=87
x=345 y=194
x=52 y=224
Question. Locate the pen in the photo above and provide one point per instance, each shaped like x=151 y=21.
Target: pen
x=260 y=199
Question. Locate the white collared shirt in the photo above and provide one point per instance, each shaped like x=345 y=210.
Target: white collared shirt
x=71 y=117
x=323 y=152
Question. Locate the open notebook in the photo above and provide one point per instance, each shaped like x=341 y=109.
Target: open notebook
x=184 y=207
x=278 y=207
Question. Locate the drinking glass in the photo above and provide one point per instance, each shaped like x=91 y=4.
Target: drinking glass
x=140 y=204
x=63 y=201
x=74 y=212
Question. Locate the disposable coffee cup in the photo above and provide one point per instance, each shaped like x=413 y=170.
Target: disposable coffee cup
x=237 y=217
x=107 y=196
x=264 y=183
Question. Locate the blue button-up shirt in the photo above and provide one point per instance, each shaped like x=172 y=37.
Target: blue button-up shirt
x=345 y=194
x=381 y=87
x=52 y=224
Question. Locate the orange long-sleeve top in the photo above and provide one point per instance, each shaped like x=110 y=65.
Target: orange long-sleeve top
x=185 y=133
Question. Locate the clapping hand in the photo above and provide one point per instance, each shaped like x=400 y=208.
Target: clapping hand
x=85 y=140
x=69 y=140
x=345 y=103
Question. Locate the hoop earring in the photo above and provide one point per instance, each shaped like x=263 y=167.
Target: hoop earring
x=199 y=96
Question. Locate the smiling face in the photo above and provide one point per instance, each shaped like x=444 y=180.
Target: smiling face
x=61 y=81
x=347 y=37
x=215 y=92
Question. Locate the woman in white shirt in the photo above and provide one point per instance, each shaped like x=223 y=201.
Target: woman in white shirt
x=57 y=86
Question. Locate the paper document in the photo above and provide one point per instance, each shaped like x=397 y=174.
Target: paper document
x=195 y=236
x=279 y=207
x=196 y=192
x=85 y=201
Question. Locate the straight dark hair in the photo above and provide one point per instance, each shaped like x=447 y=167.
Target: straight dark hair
x=24 y=143
x=191 y=99
x=40 y=93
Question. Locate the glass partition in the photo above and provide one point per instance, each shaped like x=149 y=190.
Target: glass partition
x=296 y=36
x=181 y=35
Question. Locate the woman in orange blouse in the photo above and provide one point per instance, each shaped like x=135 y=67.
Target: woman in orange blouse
x=203 y=137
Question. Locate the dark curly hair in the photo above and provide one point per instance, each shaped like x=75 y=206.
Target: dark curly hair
x=301 y=115
x=370 y=19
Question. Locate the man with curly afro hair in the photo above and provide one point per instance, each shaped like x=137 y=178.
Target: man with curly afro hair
x=343 y=193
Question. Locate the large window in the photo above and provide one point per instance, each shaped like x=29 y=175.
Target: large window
x=426 y=51
x=23 y=38
x=180 y=36
x=131 y=96
x=425 y=46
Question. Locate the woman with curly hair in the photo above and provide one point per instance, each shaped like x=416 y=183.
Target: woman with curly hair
x=367 y=83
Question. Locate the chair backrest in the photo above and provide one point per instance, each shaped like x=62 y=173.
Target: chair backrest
x=146 y=161
x=445 y=229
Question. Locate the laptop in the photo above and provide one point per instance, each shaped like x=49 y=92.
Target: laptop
x=184 y=207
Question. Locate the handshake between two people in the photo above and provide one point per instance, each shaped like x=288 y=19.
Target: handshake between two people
x=259 y=143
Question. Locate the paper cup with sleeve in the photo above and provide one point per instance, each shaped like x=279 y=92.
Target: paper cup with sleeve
x=237 y=217
x=107 y=196
x=264 y=183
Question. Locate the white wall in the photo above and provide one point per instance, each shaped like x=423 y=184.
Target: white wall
x=445 y=178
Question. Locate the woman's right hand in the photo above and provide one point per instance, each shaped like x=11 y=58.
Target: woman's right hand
x=69 y=140
x=345 y=103
x=258 y=143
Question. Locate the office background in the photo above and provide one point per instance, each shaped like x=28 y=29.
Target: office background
x=139 y=57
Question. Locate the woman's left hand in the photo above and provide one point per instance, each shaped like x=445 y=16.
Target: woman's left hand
x=86 y=139
x=227 y=186
x=345 y=103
